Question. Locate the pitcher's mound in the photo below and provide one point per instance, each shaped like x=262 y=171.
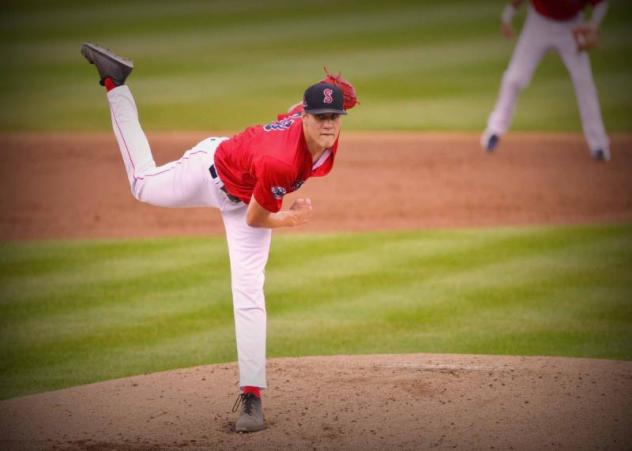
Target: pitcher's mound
x=412 y=401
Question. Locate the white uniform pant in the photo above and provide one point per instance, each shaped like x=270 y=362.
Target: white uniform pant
x=187 y=182
x=539 y=35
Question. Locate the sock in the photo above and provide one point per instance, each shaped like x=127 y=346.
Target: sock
x=109 y=84
x=254 y=390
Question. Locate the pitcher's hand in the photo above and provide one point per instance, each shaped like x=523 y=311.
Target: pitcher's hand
x=300 y=212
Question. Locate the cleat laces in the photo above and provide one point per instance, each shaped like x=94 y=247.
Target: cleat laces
x=245 y=400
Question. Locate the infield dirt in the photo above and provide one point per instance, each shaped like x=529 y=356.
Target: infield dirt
x=72 y=186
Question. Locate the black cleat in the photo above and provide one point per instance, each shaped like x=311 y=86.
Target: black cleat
x=108 y=64
x=491 y=143
x=601 y=155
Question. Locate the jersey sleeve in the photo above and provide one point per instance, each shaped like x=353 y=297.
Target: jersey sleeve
x=274 y=179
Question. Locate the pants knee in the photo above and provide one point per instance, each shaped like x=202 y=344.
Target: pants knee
x=136 y=191
x=248 y=292
x=515 y=81
x=248 y=300
x=137 y=187
x=582 y=81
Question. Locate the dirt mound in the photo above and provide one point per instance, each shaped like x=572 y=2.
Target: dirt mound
x=74 y=185
x=415 y=401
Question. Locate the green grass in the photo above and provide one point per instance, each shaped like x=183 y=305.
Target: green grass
x=83 y=311
x=222 y=65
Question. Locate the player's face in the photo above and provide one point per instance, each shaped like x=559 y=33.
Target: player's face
x=322 y=129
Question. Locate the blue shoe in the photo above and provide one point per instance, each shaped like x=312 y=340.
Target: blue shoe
x=601 y=155
x=489 y=141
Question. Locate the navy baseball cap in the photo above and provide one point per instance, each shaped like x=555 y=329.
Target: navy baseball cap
x=323 y=98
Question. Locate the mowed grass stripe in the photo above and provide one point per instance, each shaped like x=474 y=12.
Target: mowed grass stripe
x=554 y=291
x=261 y=22
x=222 y=66
x=101 y=360
x=417 y=280
x=80 y=278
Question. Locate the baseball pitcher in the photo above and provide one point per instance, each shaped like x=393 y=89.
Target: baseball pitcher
x=245 y=177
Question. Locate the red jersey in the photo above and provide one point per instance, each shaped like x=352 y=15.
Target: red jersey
x=269 y=161
x=561 y=9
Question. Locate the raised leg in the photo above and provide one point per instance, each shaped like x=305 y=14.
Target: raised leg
x=182 y=183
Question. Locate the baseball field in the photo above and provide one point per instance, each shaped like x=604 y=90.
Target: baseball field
x=440 y=297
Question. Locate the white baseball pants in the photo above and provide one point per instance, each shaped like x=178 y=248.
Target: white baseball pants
x=187 y=182
x=540 y=34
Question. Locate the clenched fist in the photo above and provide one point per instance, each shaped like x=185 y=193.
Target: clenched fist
x=300 y=211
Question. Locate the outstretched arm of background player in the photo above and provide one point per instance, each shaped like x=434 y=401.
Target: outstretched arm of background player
x=507 y=16
x=299 y=213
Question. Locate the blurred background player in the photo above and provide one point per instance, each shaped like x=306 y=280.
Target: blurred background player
x=245 y=177
x=552 y=25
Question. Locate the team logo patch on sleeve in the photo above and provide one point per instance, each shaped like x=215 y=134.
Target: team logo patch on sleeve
x=278 y=192
x=281 y=125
